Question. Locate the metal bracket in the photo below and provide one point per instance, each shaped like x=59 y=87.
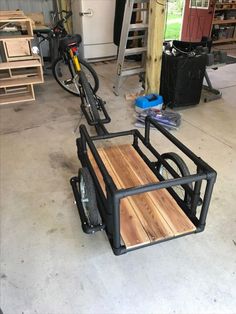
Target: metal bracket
x=89 y=12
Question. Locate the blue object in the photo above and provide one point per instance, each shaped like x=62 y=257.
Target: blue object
x=148 y=101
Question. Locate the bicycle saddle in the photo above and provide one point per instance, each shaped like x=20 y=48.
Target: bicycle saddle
x=69 y=41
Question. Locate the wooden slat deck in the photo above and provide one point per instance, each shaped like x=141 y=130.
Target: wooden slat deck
x=146 y=217
x=132 y=231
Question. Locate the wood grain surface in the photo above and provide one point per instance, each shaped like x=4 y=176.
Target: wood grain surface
x=146 y=217
x=131 y=230
x=165 y=203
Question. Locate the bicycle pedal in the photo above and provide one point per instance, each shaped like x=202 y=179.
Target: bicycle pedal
x=68 y=82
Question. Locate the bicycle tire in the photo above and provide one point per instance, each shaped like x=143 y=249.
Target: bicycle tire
x=183 y=169
x=88 y=197
x=84 y=65
x=90 y=96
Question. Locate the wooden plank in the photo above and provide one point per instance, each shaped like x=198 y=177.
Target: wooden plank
x=133 y=96
x=29 y=27
x=224 y=22
x=23 y=21
x=20 y=64
x=155 y=45
x=224 y=40
x=23 y=72
x=15 y=20
x=225 y=9
x=131 y=231
x=36 y=79
x=167 y=206
x=11 y=14
x=145 y=209
x=37 y=18
x=17 y=48
x=16 y=37
x=154 y=215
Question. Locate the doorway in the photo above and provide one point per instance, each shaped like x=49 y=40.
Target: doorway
x=174 y=19
x=197 y=19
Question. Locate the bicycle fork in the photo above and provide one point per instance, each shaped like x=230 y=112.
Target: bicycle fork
x=98 y=124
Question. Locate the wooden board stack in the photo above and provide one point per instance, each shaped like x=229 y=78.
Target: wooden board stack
x=19 y=68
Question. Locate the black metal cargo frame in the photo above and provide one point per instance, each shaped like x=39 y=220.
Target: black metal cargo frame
x=109 y=205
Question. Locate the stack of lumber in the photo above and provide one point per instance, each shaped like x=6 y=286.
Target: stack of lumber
x=19 y=68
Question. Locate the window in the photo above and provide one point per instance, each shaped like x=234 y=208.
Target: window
x=200 y=4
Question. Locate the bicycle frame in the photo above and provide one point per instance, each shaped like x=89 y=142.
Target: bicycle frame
x=75 y=59
x=57 y=31
x=71 y=56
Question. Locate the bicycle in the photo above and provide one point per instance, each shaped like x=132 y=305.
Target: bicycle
x=67 y=76
x=61 y=72
x=91 y=104
x=53 y=34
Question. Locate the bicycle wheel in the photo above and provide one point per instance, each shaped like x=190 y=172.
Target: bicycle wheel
x=90 y=98
x=63 y=76
x=88 y=197
x=177 y=163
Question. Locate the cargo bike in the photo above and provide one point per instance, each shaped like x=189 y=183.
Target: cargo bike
x=137 y=195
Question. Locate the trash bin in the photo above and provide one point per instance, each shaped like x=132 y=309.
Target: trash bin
x=182 y=79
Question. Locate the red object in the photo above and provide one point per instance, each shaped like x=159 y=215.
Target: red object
x=197 y=22
x=74 y=49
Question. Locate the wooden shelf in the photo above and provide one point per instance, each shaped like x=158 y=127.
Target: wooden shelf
x=225 y=9
x=16 y=37
x=226 y=27
x=16 y=99
x=219 y=22
x=17 y=49
x=20 y=73
x=12 y=14
x=20 y=69
x=10 y=82
x=20 y=64
x=21 y=21
x=14 y=19
x=147 y=217
x=16 y=95
x=226 y=40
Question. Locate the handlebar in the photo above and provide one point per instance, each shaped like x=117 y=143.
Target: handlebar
x=63 y=19
x=68 y=14
x=60 y=23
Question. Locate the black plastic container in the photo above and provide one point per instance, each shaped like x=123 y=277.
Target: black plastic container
x=182 y=79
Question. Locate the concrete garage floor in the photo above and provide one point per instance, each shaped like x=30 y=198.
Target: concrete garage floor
x=49 y=266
